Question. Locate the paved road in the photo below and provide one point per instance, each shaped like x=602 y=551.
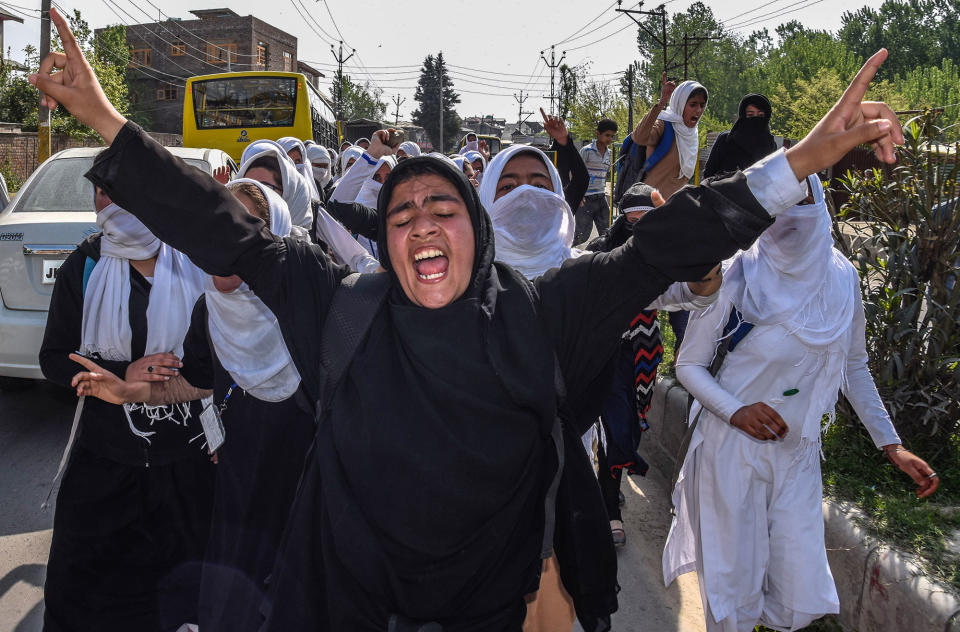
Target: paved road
x=33 y=430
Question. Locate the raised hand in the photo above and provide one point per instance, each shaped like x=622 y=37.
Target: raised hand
x=555 y=126
x=378 y=143
x=75 y=87
x=222 y=174
x=102 y=384
x=850 y=122
x=666 y=90
x=484 y=150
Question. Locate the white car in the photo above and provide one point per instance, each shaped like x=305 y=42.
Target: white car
x=51 y=213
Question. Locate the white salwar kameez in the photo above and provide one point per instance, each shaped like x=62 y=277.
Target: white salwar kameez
x=749 y=512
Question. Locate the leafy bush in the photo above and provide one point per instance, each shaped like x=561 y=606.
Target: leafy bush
x=907 y=253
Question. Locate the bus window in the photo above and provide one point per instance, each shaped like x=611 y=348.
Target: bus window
x=245 y=102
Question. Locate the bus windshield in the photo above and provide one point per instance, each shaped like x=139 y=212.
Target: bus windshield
x=245 y=102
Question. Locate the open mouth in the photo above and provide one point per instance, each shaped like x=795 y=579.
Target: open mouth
x=431 y=264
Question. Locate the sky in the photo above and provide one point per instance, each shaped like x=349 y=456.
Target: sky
x=492 y=46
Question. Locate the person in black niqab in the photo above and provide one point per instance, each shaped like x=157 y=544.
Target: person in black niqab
x=748 y=141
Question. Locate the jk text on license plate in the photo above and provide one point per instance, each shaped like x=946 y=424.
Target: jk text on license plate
x=50 y=267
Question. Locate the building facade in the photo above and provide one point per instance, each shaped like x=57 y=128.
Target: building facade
x=164 y=54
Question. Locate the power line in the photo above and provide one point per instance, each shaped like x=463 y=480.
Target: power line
x=767 y=16
x=599 y=15
x=310 y=21
x=596 y=41
x=26 y=15
x=748 y=11
x=594 y=30
x=194 y=35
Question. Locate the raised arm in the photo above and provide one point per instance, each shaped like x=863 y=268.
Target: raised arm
x=568 y=159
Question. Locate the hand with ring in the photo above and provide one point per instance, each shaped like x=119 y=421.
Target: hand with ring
x=916 y=468
x=157 y=367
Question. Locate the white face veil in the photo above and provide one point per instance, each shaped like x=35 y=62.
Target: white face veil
x=370 y=189
x=289 y=143
x=295 y=190
x=317 y=153
x=533 y=227
x=687 y=138
x=793 y=276
x=258 y=146
x=246 y=334
x=105 y=330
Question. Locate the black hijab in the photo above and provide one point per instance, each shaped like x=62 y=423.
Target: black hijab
x=437 y=461
x=751 y=135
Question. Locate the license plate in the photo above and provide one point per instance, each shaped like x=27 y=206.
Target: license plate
x=50 y=267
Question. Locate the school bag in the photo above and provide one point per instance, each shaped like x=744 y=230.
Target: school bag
x=634 y=163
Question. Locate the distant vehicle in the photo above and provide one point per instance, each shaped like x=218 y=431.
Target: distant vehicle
x=228 y=111
x=39 y=228
x=494 y=144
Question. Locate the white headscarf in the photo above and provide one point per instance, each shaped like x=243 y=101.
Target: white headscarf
x=246 y=334
x=289 y=143
x=295 y=190
x=687 y=138
x=177 y=284
x=258 y=146
x=370 y=189
x=317 y=153
x=410 y=148
x=470 y=145
x=793 y=276
x=472 y=157
x=533 y=227
x=350 y=152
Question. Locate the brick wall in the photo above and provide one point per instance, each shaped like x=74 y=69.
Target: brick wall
x=18 y=150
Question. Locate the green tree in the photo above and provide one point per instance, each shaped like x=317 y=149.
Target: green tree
x=436 y=97
x=935 y=87
x=568 y=89
x=909 y=29
x=108 y=56
x=359 y=100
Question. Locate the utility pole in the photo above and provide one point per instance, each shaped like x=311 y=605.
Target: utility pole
x=520 y=100
x=660 y=12
x=687 y=54
x=339 y=78
x=43 y=120
x=630 y=74
x=440 y=101
x=398 y=102
x=553 y=64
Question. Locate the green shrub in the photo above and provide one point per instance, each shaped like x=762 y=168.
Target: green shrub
x=907 y=252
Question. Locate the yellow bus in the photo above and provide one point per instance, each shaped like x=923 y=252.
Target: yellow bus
x=230 y=110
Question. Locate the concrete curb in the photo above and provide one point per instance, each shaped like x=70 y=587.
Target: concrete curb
x=881 y=589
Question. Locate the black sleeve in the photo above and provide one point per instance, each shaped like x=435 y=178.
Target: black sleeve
x=570 y=161
x=357 y=218
x=588 y=302
x=197 y=357
x=712 y=167
x=64 y=323
x=198 y=216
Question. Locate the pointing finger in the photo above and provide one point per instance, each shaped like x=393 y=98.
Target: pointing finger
x=70 y=46
x=86 y=363
x=857 y=89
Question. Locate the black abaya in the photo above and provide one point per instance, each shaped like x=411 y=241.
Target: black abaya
x=257 y=472
x=448 y=526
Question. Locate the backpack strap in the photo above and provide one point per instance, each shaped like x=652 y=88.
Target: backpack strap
x=666 y=141
x=556 y=434
x=88 y=265
x=352 y=310
x=727 y=343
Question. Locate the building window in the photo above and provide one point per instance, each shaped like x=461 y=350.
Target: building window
x=141 y=57
x=178 y=49
x=262 y=55
x=217 y=52
x=287 y=61
x=168 y=93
